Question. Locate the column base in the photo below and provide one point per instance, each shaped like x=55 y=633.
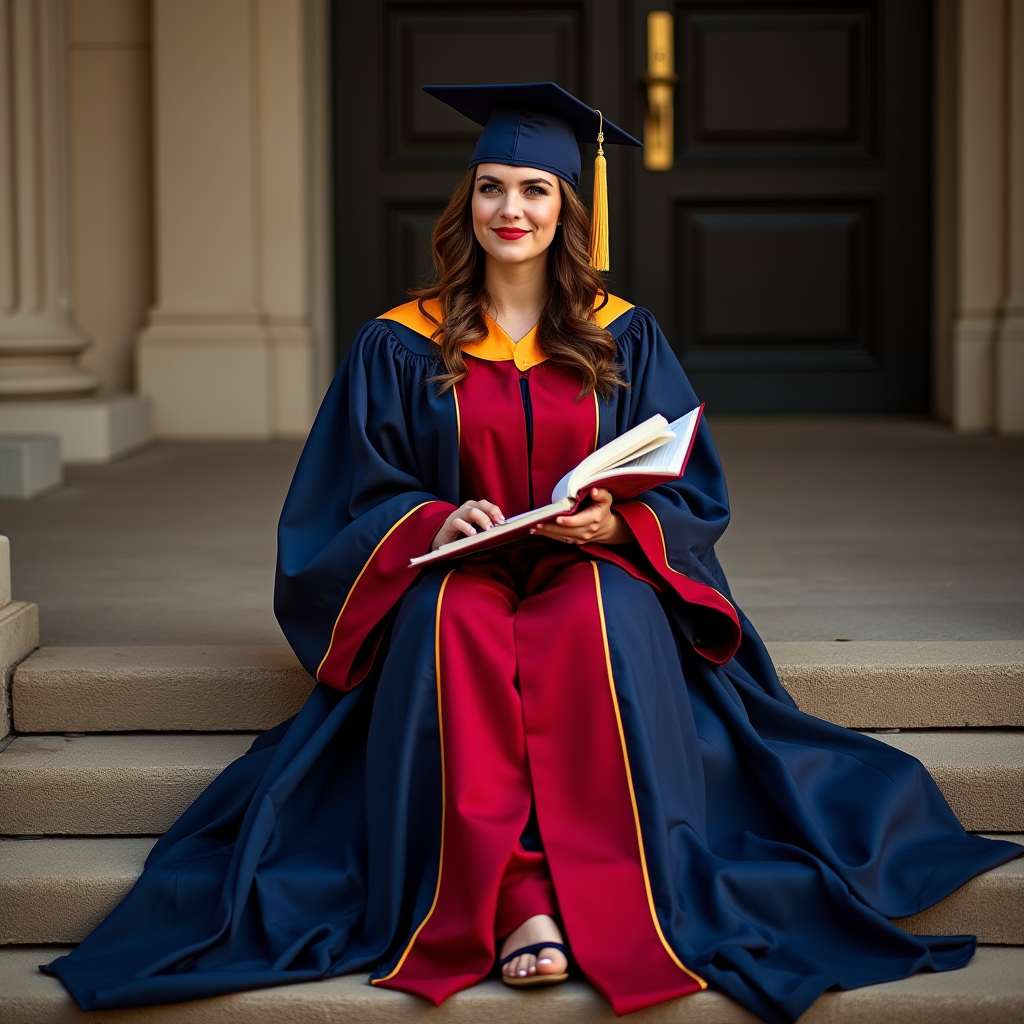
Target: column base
x=208 y=380
x=30 y=466
x=92 y=431
x=973 y=372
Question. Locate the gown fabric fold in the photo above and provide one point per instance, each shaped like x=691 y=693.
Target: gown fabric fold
x=694 y=822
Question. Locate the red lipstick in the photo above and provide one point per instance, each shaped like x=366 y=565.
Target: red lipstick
x=510 y=234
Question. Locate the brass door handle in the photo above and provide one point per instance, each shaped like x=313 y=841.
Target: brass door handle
x=660 y=81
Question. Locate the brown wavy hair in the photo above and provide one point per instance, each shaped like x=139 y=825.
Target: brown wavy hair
x=566 y=332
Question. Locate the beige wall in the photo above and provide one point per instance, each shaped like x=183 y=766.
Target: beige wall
x=109 y=72
x=979 y=234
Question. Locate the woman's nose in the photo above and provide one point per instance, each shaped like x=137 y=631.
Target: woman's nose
x=511 y=207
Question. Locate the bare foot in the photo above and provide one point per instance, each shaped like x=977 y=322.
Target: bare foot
x=547 y=961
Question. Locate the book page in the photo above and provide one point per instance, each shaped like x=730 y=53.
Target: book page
x=611 y=454
x=665 y=458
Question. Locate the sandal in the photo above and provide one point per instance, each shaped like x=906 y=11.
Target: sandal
x=535 y=979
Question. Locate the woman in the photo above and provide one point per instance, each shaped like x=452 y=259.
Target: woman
x=576 y=741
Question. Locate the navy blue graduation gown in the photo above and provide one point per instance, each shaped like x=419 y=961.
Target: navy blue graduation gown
x=756 y=850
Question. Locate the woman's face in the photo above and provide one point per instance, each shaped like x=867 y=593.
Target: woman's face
x=515 y=211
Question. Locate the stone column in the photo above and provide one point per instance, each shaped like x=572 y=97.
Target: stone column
x=205 y=356
x=1009 y=369
x=228 y=349
x=43 y=389
x=39 y=340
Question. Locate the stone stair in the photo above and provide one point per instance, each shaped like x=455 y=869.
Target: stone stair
x=111 y=744
x=987 y=991
x=55 y=890
x=861 y=685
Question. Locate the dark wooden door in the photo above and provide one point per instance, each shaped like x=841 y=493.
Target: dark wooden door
x=786 y=253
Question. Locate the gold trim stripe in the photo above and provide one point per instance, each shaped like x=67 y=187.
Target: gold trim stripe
x=458 y=417
x=351 y=590
x=632 y=792
x=597 y=420
x=440 y=729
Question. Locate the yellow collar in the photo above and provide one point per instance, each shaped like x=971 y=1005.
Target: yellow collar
x=497 y=346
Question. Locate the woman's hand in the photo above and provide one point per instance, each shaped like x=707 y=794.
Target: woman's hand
x=466 y=519
x=595 y=524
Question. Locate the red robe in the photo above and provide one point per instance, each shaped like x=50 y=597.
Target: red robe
x=529 y=711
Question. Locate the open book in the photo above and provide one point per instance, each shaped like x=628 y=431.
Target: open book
x=651 y=453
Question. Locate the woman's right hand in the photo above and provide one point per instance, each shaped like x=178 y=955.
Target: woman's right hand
x=463 y=522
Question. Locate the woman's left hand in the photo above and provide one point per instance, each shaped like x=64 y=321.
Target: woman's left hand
x=595 y=524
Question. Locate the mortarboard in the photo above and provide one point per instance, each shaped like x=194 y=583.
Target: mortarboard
x=539 y=124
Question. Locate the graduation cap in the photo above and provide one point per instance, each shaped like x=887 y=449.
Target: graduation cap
x=539 y=124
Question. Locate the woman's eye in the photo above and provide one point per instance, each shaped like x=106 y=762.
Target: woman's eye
x=492 y=190
x=536 y=190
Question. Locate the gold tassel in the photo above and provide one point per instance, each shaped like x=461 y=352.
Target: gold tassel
x=599 y=219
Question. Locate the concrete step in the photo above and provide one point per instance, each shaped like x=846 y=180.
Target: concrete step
x=139 y=783
x=980 y=772
x=108 y=785
x=160 y=689
x=903 y=685
x=990 y=906
x=859 y=685
x=58 y=890
x=989 y=990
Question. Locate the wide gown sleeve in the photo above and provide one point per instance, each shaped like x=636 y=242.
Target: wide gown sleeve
x=677 y=525
x=361 y=504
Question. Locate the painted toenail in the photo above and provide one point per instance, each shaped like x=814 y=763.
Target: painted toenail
x=546 y=960
x=522 y=974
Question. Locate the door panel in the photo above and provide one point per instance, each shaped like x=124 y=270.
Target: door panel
x=776 y=87
x=459 y=47
x=771 y=285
